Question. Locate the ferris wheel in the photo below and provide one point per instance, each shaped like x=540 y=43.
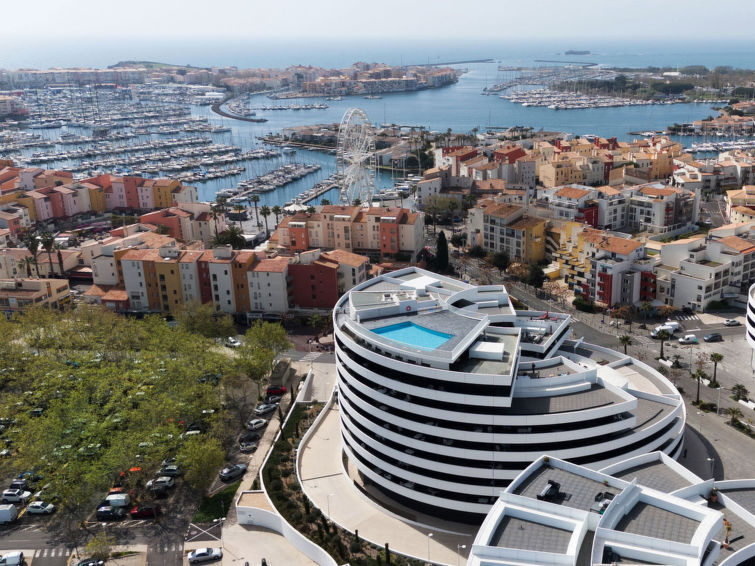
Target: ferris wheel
x=355 y=157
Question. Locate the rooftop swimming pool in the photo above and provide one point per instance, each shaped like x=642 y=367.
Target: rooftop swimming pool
x=414 y=335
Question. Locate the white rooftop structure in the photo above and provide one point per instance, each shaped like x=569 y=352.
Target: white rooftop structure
x=556 y=512
x=447 y=392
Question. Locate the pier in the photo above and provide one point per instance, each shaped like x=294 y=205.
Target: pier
x=453 y=63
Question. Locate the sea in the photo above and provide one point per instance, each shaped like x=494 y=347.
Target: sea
x=460 y=107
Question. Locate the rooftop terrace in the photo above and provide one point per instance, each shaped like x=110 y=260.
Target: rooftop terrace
x=651 y=521
x=655 y=475
x=576 y=491
x=529 y=535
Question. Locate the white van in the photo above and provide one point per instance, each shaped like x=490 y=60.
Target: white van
x=118 y=500
x=669 y=327
x=12 y=558
x=8 y=513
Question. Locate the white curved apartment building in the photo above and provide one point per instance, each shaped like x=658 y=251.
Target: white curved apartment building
x=447 y=393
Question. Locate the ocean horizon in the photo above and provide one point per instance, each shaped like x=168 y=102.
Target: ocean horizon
x=255 y=53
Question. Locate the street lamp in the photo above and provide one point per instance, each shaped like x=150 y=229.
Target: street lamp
x=700 y=423
x=458 y=554
x=712 y=463
x=220 y=521
x=429 y=538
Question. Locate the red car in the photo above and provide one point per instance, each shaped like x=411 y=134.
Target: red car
x=145 y=512
x=273 y=390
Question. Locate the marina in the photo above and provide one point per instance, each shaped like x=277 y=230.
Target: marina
x=555 y=100
x=270 y=181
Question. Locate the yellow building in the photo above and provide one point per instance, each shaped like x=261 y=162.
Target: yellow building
x=19 y=294
x=28 y=202
x=163 y=192
x=529 y=237
x=168 y=274
x=97 y=200
x=560 y=173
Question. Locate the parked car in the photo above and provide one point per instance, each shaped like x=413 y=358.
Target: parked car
x=250 y=436
x=256 y=424
x=713 y=337
x=19 y=484
x=204 y=555
x=145 y=512
x=40 y=508
x=232 y=342
x=264 y=408
x=15 y=496
x=732 y=322
x=276 y=390
x=171 y=471
x=232 y=471
x=161 y=483
x=118 y=500
x=247 y=447
x=688 y=339
x=110 y=513
x=12 y=558
x=90 y=562
x=669 y=327
x=273 y=399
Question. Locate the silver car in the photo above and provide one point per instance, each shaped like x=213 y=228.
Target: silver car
x=204 y=555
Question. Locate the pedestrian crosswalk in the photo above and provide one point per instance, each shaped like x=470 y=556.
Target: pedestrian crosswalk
x=165 y=548
x=52 y=552
x=311 y=356
x=683 y=317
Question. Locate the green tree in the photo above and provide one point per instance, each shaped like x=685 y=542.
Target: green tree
x=311 y=210
x=317 y=322
x=441 y=255
x=663 y=336
x=645 y=309
x=277 y=211
x=201 y=456
x=47 y=239
x=535 y=275
x=626 y=341
x=357 y=202
x=32 y=244
x=325 y=202
x=254 y=200
x=500 y=260
x=739 y=391
x=101 y=545
x=260 y=348
x=716 y=358
x=59 y=253
x=203 y=319
x=265 y=210
x=734 y=414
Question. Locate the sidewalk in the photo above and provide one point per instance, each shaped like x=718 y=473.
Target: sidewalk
x=241 y=544
x=334 y=493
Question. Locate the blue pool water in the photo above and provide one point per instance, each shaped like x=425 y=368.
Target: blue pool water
x=414 y=335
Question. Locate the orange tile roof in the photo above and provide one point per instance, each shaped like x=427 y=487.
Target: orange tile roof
x=346 y=257
x=271 y=265
x=737 y=243
x=614 y=244
x=657 y=192
x=572 y=193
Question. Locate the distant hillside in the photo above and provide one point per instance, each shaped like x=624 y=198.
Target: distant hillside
x=152 y=65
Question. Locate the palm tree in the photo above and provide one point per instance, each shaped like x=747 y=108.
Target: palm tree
x=663 y=336
x=357 y=201
x=238 y=209
x=734 y=413
x=47 y=239
x=215 y=215
x=698 y=375
x=28 y=261
x=716 y=358
x=255 y=199
x=645 y=309
x=59 y=253
x=739 y=391
x=325 y=202
x=265 y=210
x=625 y=341
x=222 y=203
x=234 y=237
x=32 y=244
x=452 y=206
x=277 y=211
x=310 y=210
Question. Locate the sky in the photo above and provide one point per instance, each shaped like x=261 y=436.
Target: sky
x=385 y=19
